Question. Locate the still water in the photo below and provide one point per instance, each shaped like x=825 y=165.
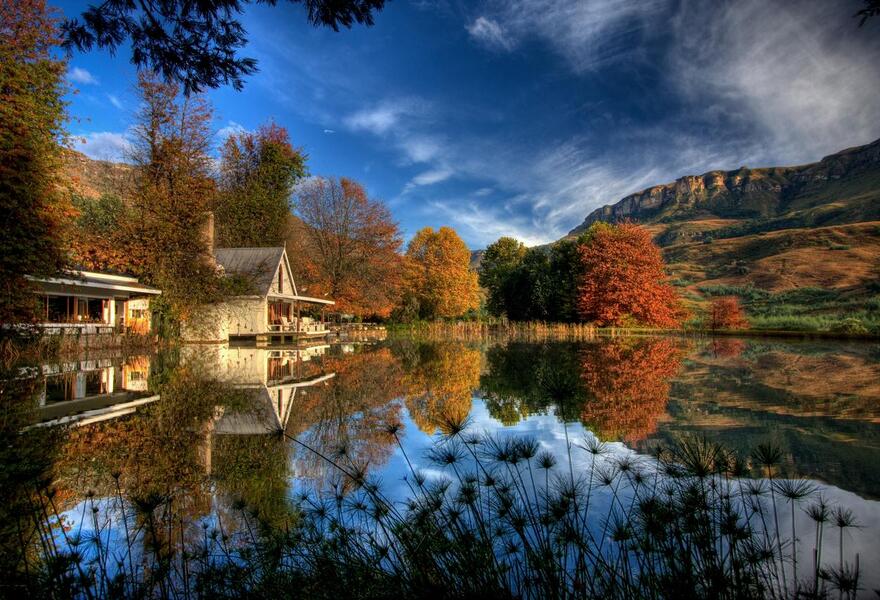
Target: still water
x=203 y=422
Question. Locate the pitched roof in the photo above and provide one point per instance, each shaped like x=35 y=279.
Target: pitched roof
x=258 y=264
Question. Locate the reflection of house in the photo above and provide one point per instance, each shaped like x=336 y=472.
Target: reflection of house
x=274 y=377
x=272 y=311
x=85 y=392
x=92 y=302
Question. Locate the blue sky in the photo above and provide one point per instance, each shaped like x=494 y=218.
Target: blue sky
x=518 y=117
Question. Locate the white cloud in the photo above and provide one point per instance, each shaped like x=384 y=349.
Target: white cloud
x=429 y=177
x=378 y=119
x=81 y=76
x=114 y=100
x=329 y=131
x=486 y=191
x=798 y=76
x=490 y=33
x=231 y=128
x=586 y=33
x=105 y=145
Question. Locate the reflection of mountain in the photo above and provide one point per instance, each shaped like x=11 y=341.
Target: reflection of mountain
x=821 y=403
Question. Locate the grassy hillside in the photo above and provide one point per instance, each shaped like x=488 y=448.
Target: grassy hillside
x=799 y=245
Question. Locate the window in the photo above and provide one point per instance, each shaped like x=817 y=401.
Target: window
x=281 y=280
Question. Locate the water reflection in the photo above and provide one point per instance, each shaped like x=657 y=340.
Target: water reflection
x=212 y=433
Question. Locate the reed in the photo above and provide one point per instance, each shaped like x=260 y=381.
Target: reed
x=503 y=519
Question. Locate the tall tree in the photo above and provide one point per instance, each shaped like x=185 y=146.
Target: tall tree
x=173 y=194
x=33 y=209
x=194 y=44
x=257 y=174
x=499 y=261
x=624 y=281
x=352 y=243
x=440 y=279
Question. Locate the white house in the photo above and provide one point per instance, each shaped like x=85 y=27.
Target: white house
x=273 y=310
x=94 y=302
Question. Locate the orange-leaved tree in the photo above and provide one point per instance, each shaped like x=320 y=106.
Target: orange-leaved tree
x=440 y=280
x=33 y=209
x=350 y=245
x=623 y=279
x=726 y=313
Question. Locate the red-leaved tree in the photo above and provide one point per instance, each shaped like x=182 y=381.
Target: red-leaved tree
x=623 y=279
x=726 y=313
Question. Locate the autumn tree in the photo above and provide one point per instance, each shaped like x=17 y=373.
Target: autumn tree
x=440 y=281
x=623 y=280
x=352 y=243
x=258 y=171
x=33 y=208
x=173 y=194
x=726 y=313
x=498 y=263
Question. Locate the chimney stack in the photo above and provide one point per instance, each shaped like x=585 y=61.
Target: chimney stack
x=208 y=235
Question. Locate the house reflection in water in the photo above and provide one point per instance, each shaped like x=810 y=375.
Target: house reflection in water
x=83 y=392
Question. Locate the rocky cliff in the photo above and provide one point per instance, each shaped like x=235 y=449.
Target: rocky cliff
x=841 y=188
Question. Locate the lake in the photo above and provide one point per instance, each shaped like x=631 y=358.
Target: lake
x=202 y=422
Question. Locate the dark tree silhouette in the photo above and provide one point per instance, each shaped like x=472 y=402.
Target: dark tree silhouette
x=193 y=42
x=871 y=9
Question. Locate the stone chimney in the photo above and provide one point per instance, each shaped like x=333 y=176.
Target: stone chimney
x=208 y=235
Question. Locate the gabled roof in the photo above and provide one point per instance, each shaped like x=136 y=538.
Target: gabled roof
x=257 y=264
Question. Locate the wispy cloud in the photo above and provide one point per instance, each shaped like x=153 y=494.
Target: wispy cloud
x=587 y=33
x=115 y=101
x=105 y=145
x=81 y=76
x=490 y=33
x=429 y=177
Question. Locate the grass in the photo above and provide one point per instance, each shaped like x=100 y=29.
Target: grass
x=496 y=518
x=807 y=309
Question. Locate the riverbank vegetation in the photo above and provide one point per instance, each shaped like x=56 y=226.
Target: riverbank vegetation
x=498 y=517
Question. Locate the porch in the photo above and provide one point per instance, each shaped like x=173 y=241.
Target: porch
x=298 y=316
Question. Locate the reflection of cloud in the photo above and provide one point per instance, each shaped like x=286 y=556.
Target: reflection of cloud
x=105 y=145
x=81 y=76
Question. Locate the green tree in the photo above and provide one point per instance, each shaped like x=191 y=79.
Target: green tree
x=499 y=262
x=33 y=208
x=257 y=174
x=174 y=192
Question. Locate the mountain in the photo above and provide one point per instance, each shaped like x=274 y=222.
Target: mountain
x=841 y=188
x=91 y=178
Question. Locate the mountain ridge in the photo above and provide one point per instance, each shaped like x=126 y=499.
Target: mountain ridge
x=795 y=195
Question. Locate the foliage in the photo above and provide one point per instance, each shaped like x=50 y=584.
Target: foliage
x=173 y=194
x=439 y=381
x=629 y=383
x=349 y=245
x=496 y=518
x=499 y=261
x=193 y=44
x=257 y=174
x=33 y=208
x=726 y=313
x=440 y=282
x=624 y=280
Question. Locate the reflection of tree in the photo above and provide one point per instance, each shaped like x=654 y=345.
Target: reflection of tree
x=629 y=383
x=439 y=382
x=347 y=416
x=727 y=347
x=158 y=451
x=524 y=379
